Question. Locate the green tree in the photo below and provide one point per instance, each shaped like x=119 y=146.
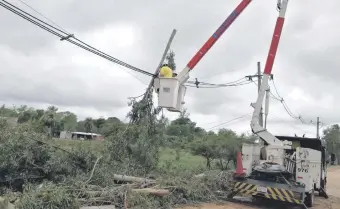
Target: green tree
x=332 y=138
x=88 y=125
x=222 y=147
x=39 y=113
x=205 y=148
x=182 y=126
x=26 y=114
x=49 y=119
x=99 y=123
x=108 y=127
x=22 y=108
x=7 y=112
x=170 y=58
x=69 y=121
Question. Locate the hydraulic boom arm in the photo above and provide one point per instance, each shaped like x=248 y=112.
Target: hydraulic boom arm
x=171 y=91
x=212 y=40
x=256 y=127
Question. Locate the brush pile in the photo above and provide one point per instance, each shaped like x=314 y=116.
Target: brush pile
x=37 y=174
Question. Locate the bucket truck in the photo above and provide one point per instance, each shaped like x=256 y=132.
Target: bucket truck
x=286 y=169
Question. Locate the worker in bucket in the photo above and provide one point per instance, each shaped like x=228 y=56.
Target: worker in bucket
x=165 y=71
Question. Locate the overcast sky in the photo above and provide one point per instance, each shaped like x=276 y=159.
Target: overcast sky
x=39 y=70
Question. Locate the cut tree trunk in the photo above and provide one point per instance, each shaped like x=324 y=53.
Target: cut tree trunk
x=156 y=192
x=132 y=179
x=99 y=207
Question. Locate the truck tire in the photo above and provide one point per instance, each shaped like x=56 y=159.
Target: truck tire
x=309 y=199
x=322 y=190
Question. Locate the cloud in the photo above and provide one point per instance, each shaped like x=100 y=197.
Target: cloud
x=40 y=70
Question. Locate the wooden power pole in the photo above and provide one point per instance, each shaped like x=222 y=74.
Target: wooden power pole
x=161 y=62
x=258 y=75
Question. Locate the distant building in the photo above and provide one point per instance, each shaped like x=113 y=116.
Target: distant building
x=80 y=135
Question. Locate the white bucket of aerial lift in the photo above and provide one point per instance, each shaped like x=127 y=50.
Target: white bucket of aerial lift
x=180 y=99
x=171 y=92
x=168 y=92
x=250 y=157
x=308 y=167
x=156 y=85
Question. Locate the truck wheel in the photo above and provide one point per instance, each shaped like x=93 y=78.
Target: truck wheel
x=309 y=200
x=322 y=190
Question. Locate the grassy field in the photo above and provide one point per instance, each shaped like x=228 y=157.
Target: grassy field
x=181 y=159
x=185 y=160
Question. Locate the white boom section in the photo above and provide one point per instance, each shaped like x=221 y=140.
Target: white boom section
x=255 y=125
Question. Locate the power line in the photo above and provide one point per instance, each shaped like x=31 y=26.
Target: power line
x=217 y=86
x=213 y=75
x=198 y=84
x=229 y=121
x=66 y=36
x=51 y=21
x=285 y=106
x=293 y=126
x=287 y=109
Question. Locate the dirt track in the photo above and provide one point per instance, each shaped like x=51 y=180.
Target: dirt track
x=333 y=190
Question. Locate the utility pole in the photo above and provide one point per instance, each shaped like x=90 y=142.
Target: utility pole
x=174 y=31
x=258 y=75
x=259 y=81
x=318 y=127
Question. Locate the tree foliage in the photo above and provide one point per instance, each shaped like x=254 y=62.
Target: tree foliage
x=221 y=147
x=332 y=138
x=170 y=58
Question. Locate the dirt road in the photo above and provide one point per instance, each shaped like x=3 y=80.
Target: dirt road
x=333 y=190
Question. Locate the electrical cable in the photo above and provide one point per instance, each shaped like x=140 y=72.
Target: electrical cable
x=229 y=121
x=217 y=86
x=63 y=34
x=286 y=108
x=198 y=84
x=213 y=75
x=51 y=21
x=66 y=36
x=293 y=126
x=231 y=82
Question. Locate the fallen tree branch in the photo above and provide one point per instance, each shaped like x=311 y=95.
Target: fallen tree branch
x=94 y=167
x=157 y=192
x=132 y=179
